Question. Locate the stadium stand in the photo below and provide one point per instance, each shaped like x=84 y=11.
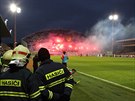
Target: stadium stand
x=3 y=48
x=53 y=39
x=125 y=47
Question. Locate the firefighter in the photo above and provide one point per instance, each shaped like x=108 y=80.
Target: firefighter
x=35 y=64
x=5 y=59
x=54 y=75
x=18 y=83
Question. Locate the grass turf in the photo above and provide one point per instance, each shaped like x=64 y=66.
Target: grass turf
x=90 y=89
x=118 y=70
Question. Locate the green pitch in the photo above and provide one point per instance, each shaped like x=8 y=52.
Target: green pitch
x=120 y=71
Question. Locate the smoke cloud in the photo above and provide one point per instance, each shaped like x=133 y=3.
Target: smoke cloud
x=105 y=31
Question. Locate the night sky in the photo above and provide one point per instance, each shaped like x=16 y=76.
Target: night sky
x=79 y=15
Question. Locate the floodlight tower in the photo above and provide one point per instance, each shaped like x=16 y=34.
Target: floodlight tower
x=15 y=9
x=113 y=18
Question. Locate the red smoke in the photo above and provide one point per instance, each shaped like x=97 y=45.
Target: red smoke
x=75 y=44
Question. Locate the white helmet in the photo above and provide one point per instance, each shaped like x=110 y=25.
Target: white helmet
x=20 y=55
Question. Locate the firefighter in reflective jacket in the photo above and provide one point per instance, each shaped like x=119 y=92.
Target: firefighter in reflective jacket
x=54 y=75
x=18 y=83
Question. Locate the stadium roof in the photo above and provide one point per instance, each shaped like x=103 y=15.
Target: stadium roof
x=127 y=42
x=4 y=32
x=131 y=39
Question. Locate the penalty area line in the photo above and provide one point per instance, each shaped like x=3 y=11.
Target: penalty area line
x=107 y=81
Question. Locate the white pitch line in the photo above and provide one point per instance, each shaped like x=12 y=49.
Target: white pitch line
x=116 y=84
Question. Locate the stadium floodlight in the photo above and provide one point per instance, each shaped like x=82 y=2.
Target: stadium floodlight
x=113 y=17
x=15 y=9
x=10 y=31
x=6 y=20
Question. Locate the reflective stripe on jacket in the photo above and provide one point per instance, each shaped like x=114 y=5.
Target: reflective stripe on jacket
x=17 y=85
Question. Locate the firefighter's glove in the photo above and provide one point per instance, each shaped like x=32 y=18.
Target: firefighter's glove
x=64 y=97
